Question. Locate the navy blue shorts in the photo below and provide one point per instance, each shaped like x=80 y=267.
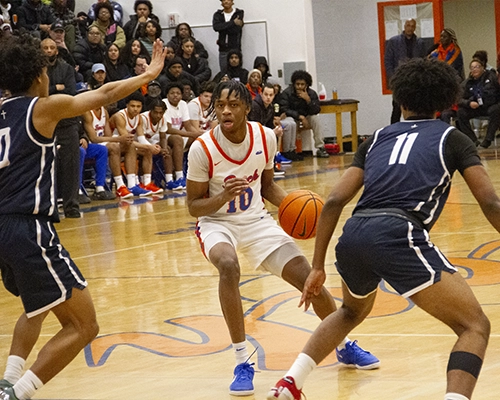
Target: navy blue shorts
x=34 y=264
x=390 y=248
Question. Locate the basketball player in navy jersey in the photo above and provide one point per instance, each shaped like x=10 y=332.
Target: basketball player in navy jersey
x=230 y=169
x=406 y=169
x=33 y=263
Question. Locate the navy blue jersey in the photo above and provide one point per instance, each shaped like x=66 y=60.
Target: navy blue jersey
x=27 y=175
x=405 y=168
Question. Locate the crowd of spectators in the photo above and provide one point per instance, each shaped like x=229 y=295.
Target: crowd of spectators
x=88 y=49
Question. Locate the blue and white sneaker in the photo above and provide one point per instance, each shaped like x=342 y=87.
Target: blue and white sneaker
x=355 y=356
x=174 y=185
x=138 y=191
x=280 y=159
x=182 y=182
x=242 y=384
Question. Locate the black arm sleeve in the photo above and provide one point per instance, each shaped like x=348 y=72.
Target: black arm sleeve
x=460 y=152
x=360 y=156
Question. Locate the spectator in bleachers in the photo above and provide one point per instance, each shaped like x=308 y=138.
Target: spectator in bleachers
x=98 y=77
x=482 y=55
x=234 y=69
x=89 y=51
x=254 y=84
x=261 y=64
x=481 y=95
x=449 y=51
x=5 y=28
x=67 y=19
x=129 y=53
x=111 y=32
x=62 y=81
x=187 y=93
x=170 y=54
x=141 y=64
x=199 y=108
x=117 y=11
x=179 y=124
x=35 y=17
x=228 y=22
x=82 y=23
x=143 y=13
x=301 y=103
x=196 y=66
x=115 y=68
x=58 y=35
x=183 y=31
x=175 y=73
x=153 y=93
x=150 y=31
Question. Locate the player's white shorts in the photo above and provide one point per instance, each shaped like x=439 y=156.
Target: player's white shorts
x=255 y=241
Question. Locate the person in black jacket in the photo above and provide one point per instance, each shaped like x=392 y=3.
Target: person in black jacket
x=234 y=69
x=175 y=73
x=229 y=23
x=62 y=81
x=301 y=103
x=261 y=64
x=89 y=51
x=480 y=98
x=184 y=31
x=35 y=17
x=143 y=13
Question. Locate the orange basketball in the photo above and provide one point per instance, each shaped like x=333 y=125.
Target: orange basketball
x=299 y=213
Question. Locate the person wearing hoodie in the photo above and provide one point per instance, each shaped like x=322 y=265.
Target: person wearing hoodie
x=261 y=64
x=143 y=13
x=35 y=17
x=175 y=73
x=234 y=69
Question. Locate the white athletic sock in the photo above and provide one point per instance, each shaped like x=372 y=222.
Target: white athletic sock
x=26 y=387
x=14 y=368
x=455 y=396
x=131 y=180
x=80 y=191
x=146 y=179
x=301 y=368
x=99 y=189
x=342 y=344
x=169 y=177
x=179 y=175
x=118 y=181
x=240 y=352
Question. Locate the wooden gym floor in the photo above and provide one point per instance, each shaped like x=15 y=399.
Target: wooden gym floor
x=163 y=336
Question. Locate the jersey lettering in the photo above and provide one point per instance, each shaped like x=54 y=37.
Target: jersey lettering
x=4 y=147
x=402 y=148
x=244 y=201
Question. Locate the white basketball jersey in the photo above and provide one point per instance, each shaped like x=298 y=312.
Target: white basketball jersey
x=152 y=132
x=248 y=206
x=130 y=124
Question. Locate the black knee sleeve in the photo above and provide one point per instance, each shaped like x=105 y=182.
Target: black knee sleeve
x=465 y=361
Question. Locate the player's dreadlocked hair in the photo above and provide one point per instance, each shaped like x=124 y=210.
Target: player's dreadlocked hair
x=425 y=86
x=21 y=62
x=239 y=90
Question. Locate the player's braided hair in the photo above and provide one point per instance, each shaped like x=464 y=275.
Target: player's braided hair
x=21 y=62
x=239 y=90
x=425 y=86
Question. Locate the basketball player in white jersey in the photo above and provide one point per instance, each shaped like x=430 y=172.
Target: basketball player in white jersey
x=230 y=169
x=29 y=244
x=96 y=125
x=129 y=122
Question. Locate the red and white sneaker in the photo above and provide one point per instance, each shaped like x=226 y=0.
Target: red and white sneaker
x=285 y=389
x=152 y=188
x=123 y=192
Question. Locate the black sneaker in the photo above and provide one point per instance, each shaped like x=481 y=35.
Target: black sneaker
x=104 y=195
x=293 y=156
x=485 y=144
x=72 y=213
x=322 y=153
x=83 y=199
